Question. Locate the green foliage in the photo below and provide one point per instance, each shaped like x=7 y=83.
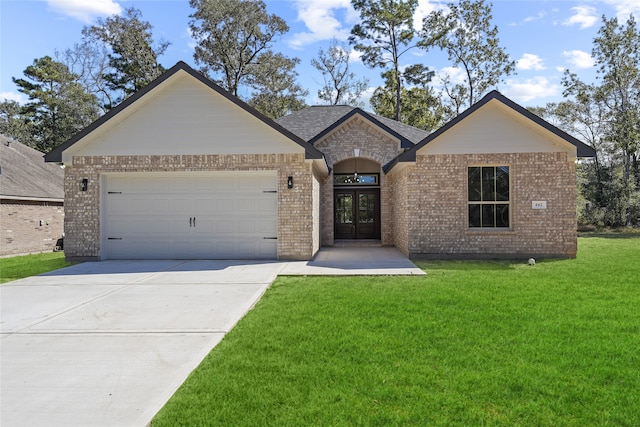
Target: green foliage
x=616 y=52
x=340 y=85
x=133 y=60
x=606 y=115
x=420 y=107
x=279 y=94
x=66 y=94
x=14 y=124
x=234 y=40
x=58 y=105
x=19 y=267
x=466 y=34
x=384 y=34
x=469 y=344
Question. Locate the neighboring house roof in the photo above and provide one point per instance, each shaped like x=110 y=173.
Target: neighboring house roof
x=583 y=150
x=24 y=175
x=310 y=151
x=313 y=123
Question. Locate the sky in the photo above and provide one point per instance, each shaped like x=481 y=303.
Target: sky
x=544 y=37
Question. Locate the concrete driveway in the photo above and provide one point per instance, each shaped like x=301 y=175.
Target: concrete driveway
x=107 y=344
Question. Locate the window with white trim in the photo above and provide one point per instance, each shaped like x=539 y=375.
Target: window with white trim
x=488 y=197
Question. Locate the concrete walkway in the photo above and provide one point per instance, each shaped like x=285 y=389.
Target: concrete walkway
x=348 y=261
x=108 y=343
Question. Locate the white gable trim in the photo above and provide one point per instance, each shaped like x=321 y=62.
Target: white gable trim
x=496 y=128
x=182 y=116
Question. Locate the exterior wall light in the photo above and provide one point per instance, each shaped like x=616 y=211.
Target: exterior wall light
x=84 y=184
x=290 y=182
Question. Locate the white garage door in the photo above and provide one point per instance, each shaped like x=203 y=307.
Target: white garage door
x=227 y=215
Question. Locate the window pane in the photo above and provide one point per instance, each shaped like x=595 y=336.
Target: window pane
x=488 y=215
x=368 y=179
x=366 y=208
x=502 y=216
x=474 y=216
x=475 y=192
x=344 y=210
x=502 y=183
x=488 y=184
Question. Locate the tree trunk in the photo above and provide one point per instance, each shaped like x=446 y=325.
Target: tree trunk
x=627 y=188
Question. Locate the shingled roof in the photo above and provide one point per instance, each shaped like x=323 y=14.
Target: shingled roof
x=24 y=175
x=314 y=122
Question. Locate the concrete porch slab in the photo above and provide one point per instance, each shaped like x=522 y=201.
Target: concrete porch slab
x=350 y=261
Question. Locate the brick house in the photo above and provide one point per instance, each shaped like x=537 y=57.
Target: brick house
x=183 y=169
x=31 y=200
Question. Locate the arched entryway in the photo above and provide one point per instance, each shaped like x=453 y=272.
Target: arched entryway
x=356 y=190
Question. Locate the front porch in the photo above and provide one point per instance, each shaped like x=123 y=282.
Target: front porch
x=354 y=261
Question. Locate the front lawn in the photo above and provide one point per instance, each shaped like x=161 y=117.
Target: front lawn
x=19 y=267
x=471 y=343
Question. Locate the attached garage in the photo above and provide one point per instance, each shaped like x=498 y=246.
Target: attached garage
x=221 y=215
x=184 y=170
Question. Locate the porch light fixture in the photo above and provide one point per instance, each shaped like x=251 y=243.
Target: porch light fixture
x=356 y=153
x=289 y=182
x=84 y=184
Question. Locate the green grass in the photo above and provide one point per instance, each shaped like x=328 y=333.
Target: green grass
x=470 y=344
x=19 y=267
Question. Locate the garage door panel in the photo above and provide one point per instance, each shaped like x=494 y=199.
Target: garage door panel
x=268 y=205
x=151 y=216
x=267 y=228
x=204 y=205
x=159 y=205
x=223 y=227
x=246 y=205
x=225 y=205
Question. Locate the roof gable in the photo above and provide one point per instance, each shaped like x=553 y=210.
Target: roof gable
x=174 y=113
x=526 y=119
x=315 y=122
x=25 y=175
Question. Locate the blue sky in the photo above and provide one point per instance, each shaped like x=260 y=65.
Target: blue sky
x=544 y=37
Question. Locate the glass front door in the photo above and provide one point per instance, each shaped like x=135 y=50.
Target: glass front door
x=357 y=214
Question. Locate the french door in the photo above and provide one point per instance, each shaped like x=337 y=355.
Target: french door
x=357 y=214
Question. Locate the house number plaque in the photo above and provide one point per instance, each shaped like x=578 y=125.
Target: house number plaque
x=539 y=204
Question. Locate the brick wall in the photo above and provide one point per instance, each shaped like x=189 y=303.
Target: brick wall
x=30 y=226
x=295 y=206
x=373 y=144
x=399 y=211
x=437 y=199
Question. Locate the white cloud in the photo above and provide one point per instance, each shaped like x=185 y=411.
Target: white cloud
x=530 y=89
x=624 y=8
x=13 y=96
x=86 y=10
x=191 y=41
x=365 y=97
x=456 y=75
x=425 y=7
x=354 y=55
x=578 y=58
x=321 y=21
x=529 y=61
x=540 y=15
x=585 y=16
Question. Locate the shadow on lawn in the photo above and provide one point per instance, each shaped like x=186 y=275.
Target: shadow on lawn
x=480 y=265
x=611 y=235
